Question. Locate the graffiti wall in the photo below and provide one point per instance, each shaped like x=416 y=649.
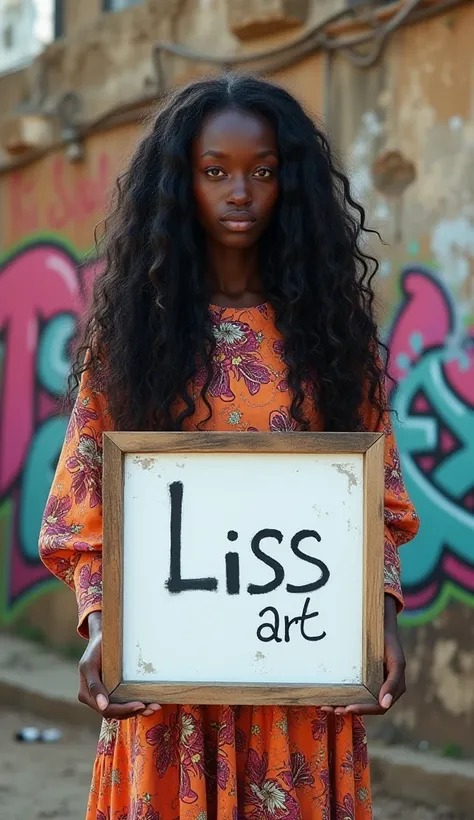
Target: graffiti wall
x=433 y=403
x=43 y=289
x=49 y=212
x=42 y=293
x=406 y=132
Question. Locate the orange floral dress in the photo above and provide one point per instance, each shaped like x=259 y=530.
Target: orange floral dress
x=201 y=762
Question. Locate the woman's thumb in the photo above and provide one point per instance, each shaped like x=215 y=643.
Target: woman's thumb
x=102 y=702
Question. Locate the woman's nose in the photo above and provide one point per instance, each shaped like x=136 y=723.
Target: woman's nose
x=240 y=193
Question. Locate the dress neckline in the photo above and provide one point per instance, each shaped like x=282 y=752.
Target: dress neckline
x=261 y=307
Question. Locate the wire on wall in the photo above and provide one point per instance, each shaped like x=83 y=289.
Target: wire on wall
x=316 y=39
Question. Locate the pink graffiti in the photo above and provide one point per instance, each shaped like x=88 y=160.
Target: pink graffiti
x=419 y=600
x=22 y=205
x=452 y=568
x=85 y=198
x=73 y=194
x=36 y=284
x=461 y=573
x=427 y=326
x=89 y=272
x=427 y=312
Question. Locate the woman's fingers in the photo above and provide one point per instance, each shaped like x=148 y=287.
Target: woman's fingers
x=123 y=711
x=151 y=709
x=97 y=690
x=92 y=691
x=394 y=686
x=99 y=701
x=392 y=689
x=363 y=709
x=94 y=695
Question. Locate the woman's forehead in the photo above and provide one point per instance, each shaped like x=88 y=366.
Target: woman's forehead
x=232 y=125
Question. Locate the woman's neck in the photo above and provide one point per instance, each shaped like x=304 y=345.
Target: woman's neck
x=234 y=277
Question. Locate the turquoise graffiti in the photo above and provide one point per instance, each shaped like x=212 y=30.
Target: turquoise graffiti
x=42 y=292
x=433 y=367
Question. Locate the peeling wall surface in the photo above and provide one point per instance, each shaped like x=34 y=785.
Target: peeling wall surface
x=405 y=130
x=426 y=281
x=407 y=133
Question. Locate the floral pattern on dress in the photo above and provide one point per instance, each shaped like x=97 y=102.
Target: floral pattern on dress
x=107 y=738
x=191 y=757
x=164 y=737
x=345 y=810
x=139 y=809
x=64 y=568
x=393 y=473
x=87 y=582
x=278 y=348
x=81 y=416
x=319 y=725
x=359 y=738
x=201 y=762
x=227 y=736
x=85 y=465
x=266 y=798
x=236 y=354
x=89 y=587
x=56 y=530
x=300 y=772
x=391 y=568
x=280 y=421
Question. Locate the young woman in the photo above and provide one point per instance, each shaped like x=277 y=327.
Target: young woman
x=236 y=295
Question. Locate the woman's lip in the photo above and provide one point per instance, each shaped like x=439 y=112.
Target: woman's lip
x=238 y=225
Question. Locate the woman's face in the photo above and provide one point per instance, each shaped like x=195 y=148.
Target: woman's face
x=235 y=177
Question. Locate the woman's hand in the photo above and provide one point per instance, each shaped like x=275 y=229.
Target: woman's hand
x=92 y=691
x=394 y=686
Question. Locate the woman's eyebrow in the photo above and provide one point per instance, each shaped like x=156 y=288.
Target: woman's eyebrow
x=267 y=152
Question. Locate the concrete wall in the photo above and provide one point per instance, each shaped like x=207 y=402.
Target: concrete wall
x=411 y=119
x=405 y=130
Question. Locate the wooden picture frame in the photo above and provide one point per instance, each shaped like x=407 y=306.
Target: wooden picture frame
x=120 y=446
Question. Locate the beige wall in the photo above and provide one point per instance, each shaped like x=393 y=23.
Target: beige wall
x=77 y=15
x=404 y=128
x=418 y=101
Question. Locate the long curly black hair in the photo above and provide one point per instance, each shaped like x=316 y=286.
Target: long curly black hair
x=148 y=328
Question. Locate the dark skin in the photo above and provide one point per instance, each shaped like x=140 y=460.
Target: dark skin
x=235 y=179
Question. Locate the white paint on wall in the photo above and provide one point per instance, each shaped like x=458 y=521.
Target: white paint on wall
x=382 y=211
x=456 y=123
x=452 y=245
x=361 y=154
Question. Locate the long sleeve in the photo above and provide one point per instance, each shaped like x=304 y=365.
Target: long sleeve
x=401 y=519
x=70 y=543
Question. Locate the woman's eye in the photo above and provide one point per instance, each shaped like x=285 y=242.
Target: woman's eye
x=215 y=173
x=263 y=173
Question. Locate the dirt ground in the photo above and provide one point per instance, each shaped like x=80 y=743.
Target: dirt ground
x=51 y=781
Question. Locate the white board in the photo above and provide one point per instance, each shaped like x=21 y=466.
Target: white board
x=213 y=504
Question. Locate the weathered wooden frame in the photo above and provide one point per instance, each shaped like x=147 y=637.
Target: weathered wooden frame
x=117 y=445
